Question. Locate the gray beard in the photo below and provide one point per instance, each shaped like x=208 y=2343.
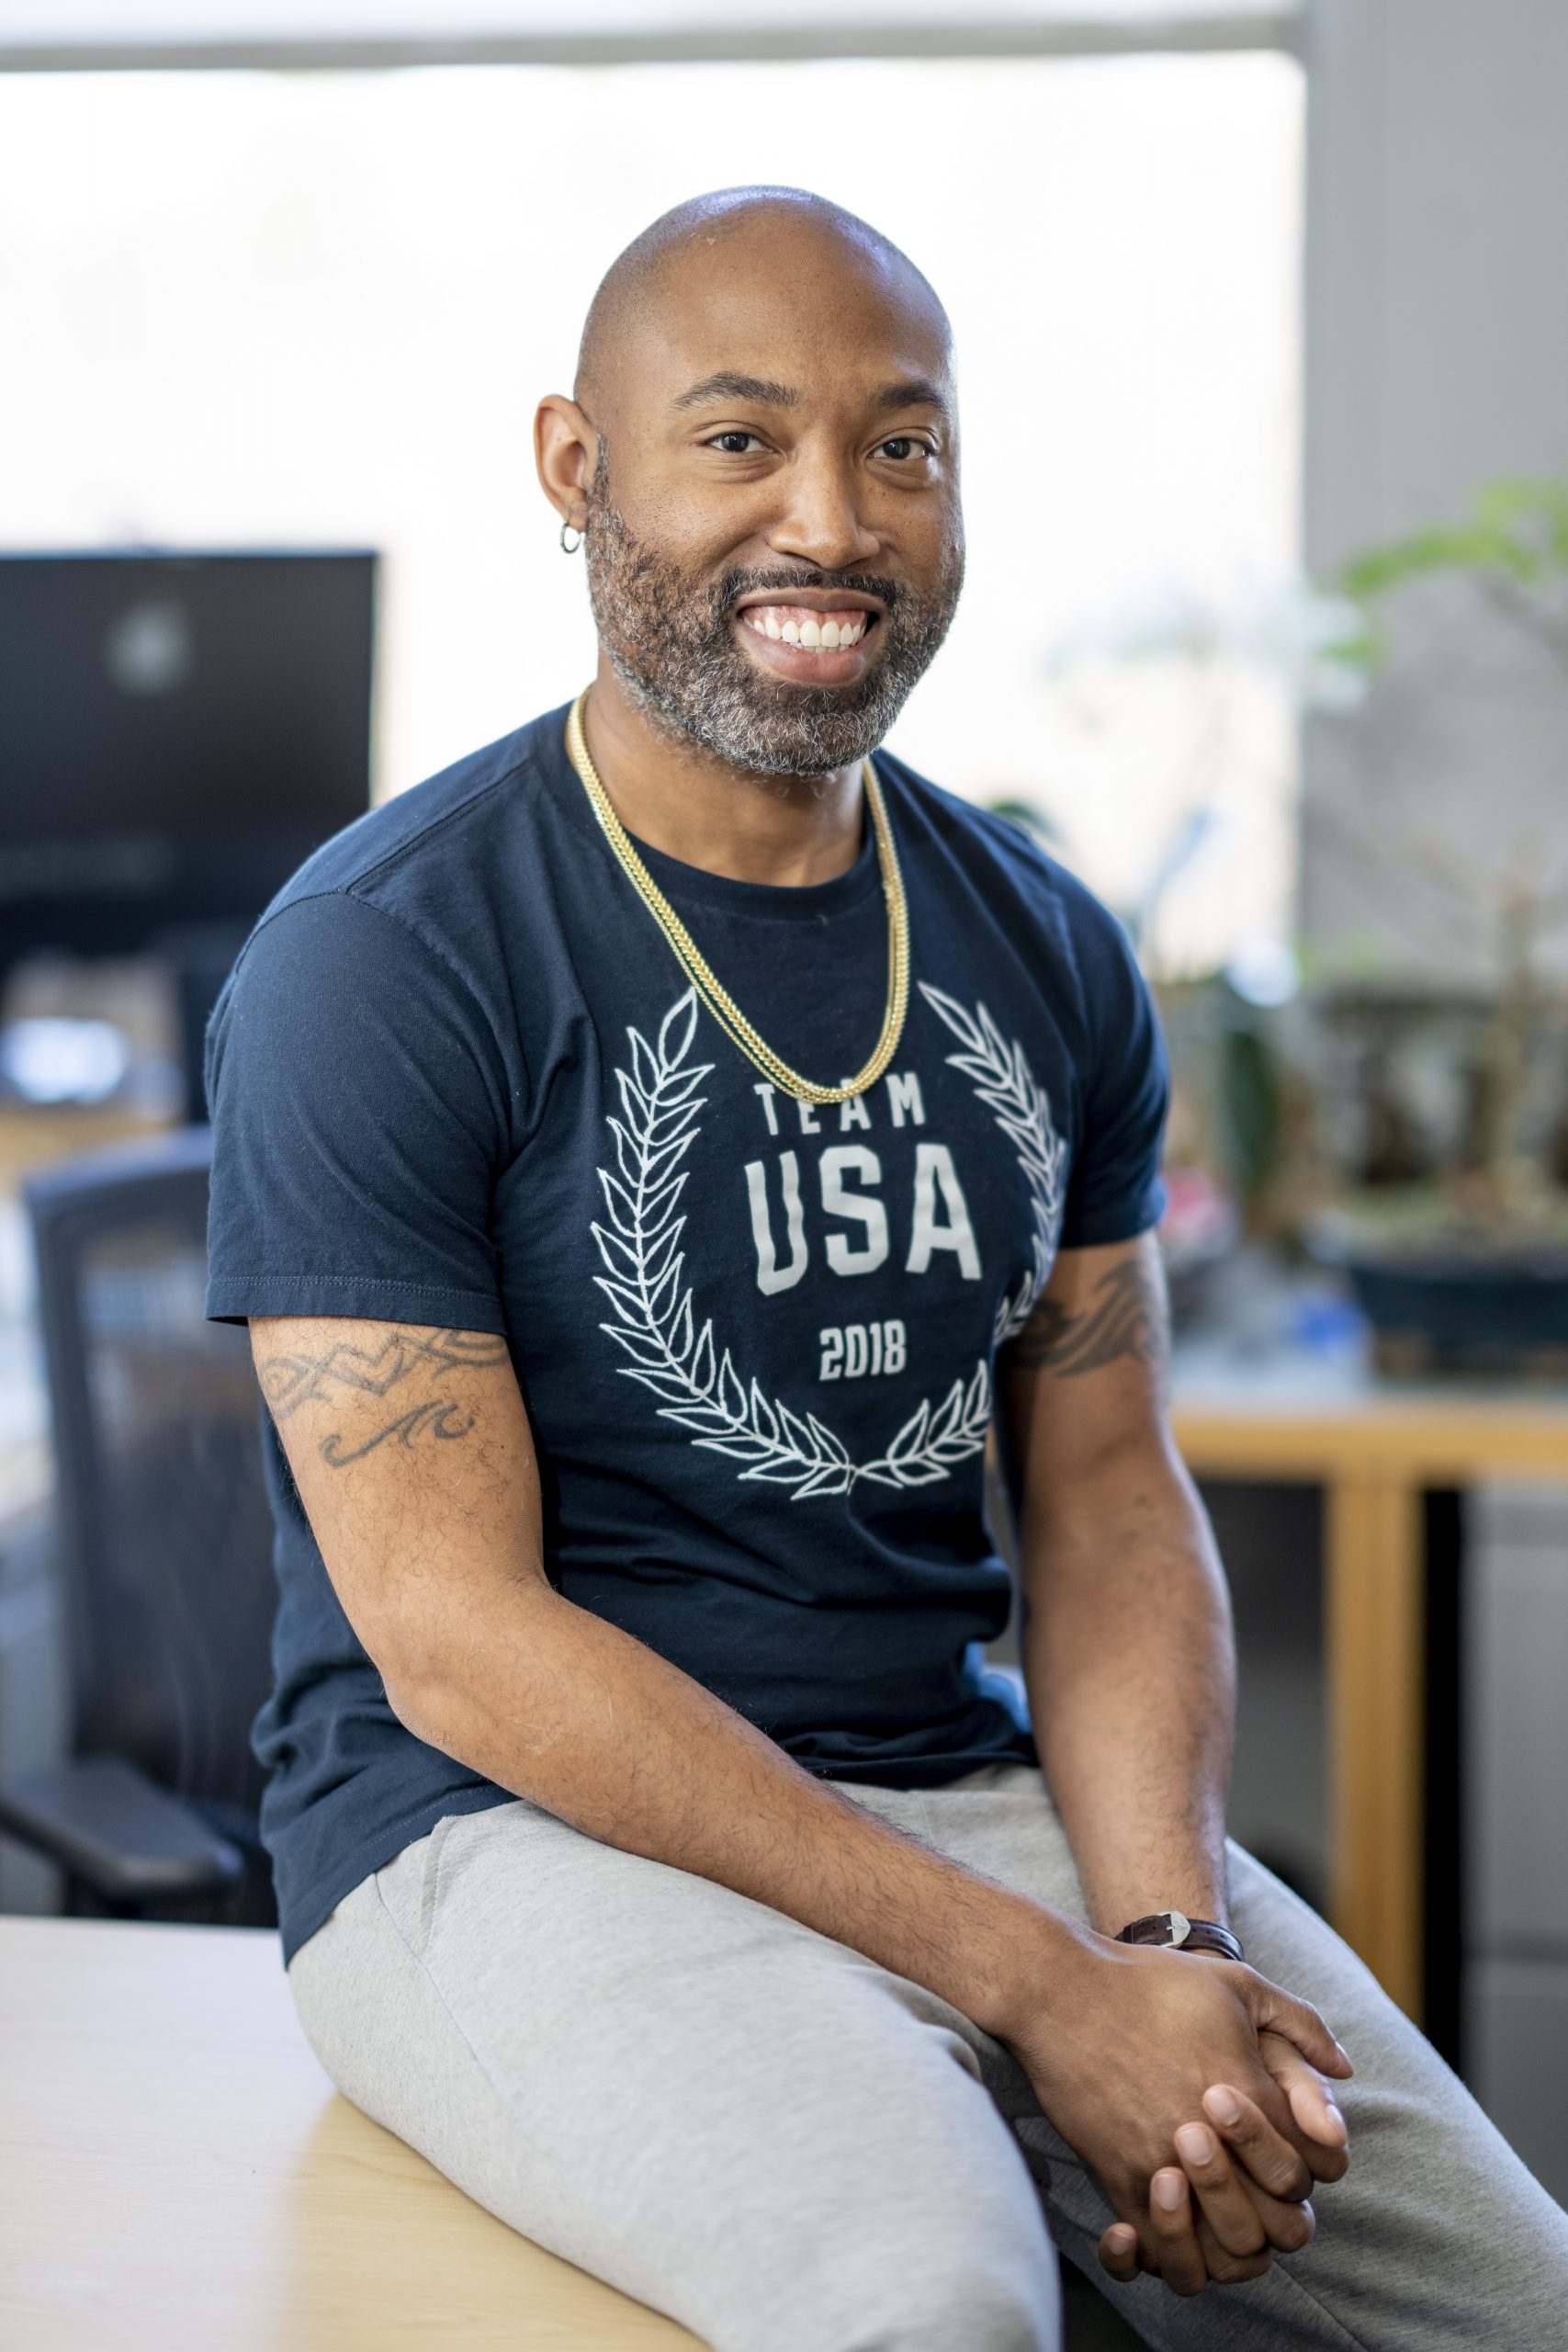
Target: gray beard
x=673 y=647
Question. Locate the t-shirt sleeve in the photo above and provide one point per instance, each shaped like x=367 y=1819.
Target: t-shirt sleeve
x=1115 y=1186
x=358 y=1113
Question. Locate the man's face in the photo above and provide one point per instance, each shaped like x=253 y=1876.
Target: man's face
x=774 y=544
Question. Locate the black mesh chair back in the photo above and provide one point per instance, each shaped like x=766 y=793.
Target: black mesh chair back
x=164 y=1530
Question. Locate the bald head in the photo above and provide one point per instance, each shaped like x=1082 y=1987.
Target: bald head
x=763 y=409
x=781 y=245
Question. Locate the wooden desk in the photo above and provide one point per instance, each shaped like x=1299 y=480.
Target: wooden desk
x=1375 y=1452
x=37 y=1137
x=177 y=2172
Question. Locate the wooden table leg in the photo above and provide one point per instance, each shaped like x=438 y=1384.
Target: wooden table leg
x=1374 y=1576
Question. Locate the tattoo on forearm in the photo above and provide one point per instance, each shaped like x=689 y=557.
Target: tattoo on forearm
x=1125 y=1317
x=294 y=1379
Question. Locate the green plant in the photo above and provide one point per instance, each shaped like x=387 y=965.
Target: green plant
x=1511 y=554
x=1513 y=548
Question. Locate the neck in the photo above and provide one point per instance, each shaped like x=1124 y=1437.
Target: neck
x=701 y=808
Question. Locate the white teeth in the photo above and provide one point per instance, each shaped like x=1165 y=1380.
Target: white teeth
x=830 y=636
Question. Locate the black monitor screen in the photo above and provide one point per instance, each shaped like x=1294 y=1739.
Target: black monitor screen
x=177 y=732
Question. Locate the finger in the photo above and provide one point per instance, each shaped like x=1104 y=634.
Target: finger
x=1318 y=2114
x=1119 y=2253
x=1273 y=2164
x=1230 y=2269
x=1174 y=2239
x=1277 y=2011
x=1225 y=2205
x=1316 y=2125
x=1288 y=2225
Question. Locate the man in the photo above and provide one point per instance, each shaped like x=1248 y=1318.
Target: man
x=645 y=1154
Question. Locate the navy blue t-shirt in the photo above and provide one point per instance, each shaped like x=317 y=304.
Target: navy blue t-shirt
x=459 y=1078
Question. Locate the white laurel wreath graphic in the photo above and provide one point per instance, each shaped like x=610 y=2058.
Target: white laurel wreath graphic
x=1005 y=1084
x=654 y=1325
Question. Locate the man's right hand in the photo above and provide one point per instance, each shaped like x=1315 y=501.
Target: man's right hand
x=1121 y=2046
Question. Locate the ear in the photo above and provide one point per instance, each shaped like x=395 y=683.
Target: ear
x=566 y=450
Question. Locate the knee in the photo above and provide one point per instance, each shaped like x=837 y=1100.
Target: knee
x=984 y=2280
x=1014 y=2308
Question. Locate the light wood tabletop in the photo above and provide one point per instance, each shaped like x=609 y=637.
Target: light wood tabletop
x=1375 y=1450
x=177 y=2175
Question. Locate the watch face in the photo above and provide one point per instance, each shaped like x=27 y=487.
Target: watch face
x=1181 y=1927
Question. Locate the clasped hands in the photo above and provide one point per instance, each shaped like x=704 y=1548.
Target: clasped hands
x=1149 y=2051
x=1240 y=2192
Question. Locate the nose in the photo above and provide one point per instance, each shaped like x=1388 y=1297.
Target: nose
x=821 y=522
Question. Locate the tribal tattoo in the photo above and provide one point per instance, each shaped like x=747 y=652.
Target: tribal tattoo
x=295 y=1379
x=1125 y=1317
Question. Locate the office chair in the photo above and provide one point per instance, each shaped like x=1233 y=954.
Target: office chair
x=164 y=1542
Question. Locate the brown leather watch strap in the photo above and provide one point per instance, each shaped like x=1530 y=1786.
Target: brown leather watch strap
x=1176 y=1932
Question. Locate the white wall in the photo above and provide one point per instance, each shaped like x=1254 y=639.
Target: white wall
x=272 y=309
x=1437 y=337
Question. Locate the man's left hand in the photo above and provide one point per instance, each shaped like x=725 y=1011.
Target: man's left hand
x=1217 y=2218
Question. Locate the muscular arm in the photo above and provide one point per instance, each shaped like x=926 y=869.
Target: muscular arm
x=1130 y=1665
x=412 y=1452
x=1127 y=1639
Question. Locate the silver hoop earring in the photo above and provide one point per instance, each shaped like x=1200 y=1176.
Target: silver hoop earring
x=569 y=547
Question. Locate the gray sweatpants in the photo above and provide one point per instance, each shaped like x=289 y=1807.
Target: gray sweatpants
x=790 y=2149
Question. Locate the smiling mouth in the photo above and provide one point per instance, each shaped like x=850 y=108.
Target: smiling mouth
x=807 y=628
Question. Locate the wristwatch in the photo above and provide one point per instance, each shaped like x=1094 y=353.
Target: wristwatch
x=1177 y=1932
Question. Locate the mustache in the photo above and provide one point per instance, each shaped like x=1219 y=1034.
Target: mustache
x=726 y=593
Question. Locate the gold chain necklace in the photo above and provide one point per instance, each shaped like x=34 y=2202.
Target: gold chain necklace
x=712 y=990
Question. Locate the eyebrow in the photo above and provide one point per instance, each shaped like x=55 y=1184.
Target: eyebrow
x=914 y=391
x=727 y=385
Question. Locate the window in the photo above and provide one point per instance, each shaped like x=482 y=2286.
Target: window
x=302 y=308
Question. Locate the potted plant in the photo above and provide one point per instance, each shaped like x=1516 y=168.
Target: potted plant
x=1468 y=1267
x=1458 y=1255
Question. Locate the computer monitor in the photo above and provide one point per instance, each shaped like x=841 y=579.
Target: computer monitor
x=177 y=732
